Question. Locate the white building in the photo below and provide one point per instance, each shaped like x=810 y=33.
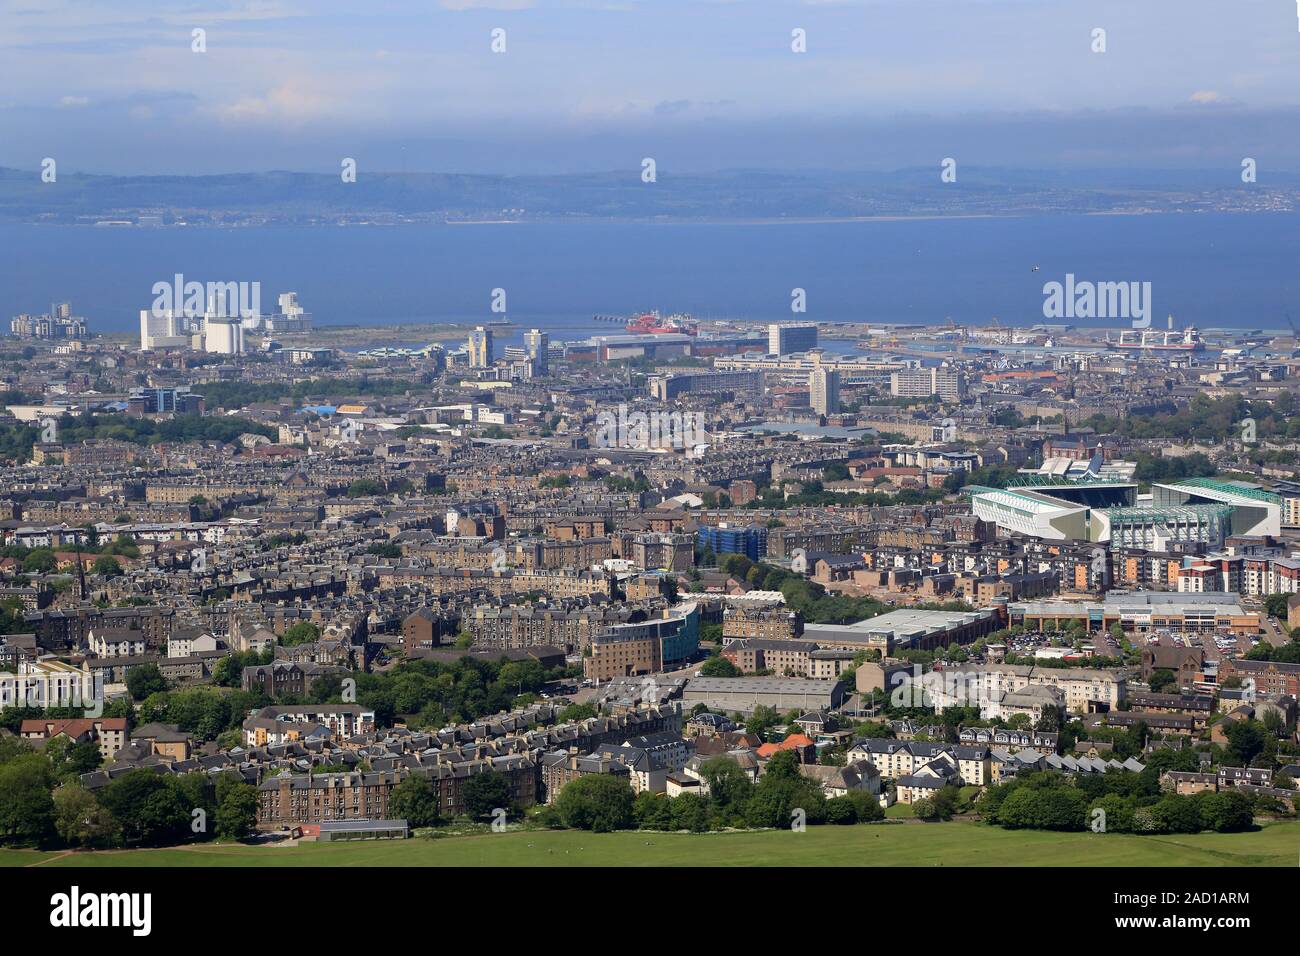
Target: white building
x=1029 y=512
x=824 y=390
x=949 y=384
x=1255 y=511
x=537 y=347
x=481 y=354
x=51 y=683
x=163 y=330
x=222 y=336
x=188 y=642
x=115 y=642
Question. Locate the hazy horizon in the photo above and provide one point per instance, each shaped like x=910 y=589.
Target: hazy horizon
x=698 y=85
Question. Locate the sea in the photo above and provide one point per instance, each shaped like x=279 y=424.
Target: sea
x=1210 y=270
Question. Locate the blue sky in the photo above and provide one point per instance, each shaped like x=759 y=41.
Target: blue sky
x=112 y=85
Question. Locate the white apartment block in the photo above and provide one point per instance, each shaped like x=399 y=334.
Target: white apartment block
x=985 y=685
x=949 y=384
x=51 y=683
x=115 y=642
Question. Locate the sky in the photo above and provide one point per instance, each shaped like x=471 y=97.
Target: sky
x=114 y=86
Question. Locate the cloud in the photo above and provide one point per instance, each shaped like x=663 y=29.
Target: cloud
x=1206 y=96
x=291 y=102
x=487 y=4
x=672 y=107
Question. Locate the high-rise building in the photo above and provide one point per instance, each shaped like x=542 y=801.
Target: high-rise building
x=58 y=323
x=824 y=390
x=948 y=383
x=480 y=348
x=537 y=345
x=163 y=329
x=291 y=317
x=784 y=338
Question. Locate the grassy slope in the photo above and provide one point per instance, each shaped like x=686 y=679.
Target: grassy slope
x=948 y=844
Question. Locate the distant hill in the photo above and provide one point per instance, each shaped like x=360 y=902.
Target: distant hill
x=306 y=198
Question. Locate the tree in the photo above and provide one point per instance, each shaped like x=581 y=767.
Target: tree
x=237 y=812
x=577 y=712
x=304 y=632
x=866 y=806
x=784 y=765
x=106 y=565
x=40 y=560
x=841 y=810
x=777 y=797
x=1178 y=814
x=1117 y=812
x=365 y=488
x=690 y=812
x=80 y=820
x=728 y=784
x=598 y=802
x=144 y=680
x=415 y=801
x=1247 y=739
x=1226 y=811
x=945 y=802
x=149 y=807
x=26 y=807
x=71 y=759
x=1275 y=605
x=1162 y=678
x=763 y=719
x=719 y=666
x=485 y=792
x=652 y=811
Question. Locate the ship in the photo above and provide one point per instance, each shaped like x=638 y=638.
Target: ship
x=652 y=323
x=1170 y=340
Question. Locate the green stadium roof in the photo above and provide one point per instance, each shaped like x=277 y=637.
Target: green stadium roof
x=1228 y=488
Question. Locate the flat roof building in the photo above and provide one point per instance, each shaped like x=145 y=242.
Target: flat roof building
x=906 y=629
x=743 y=694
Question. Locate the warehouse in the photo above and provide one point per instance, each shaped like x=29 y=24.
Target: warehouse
x=906 y=629
x=743 y=694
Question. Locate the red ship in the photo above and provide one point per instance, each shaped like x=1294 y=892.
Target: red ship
x=652 y=323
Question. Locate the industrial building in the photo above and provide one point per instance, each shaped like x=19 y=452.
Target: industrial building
x=906 y=629
x=744 y=694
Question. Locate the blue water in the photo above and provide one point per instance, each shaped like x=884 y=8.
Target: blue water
x=1207 y=269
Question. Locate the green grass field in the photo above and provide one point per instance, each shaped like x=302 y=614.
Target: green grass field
x=890 y=844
